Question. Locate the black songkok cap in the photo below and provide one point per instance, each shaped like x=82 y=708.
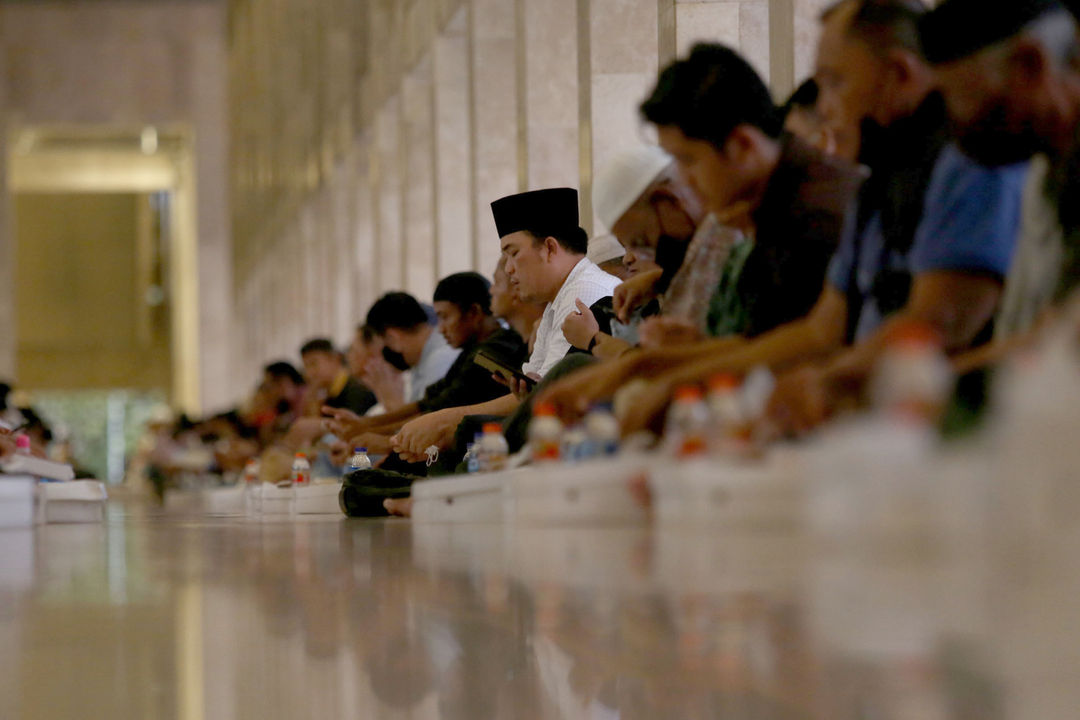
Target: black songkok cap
x=543 y=212
x=957 y=29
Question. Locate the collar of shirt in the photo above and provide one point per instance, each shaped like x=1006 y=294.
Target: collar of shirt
x=338 y=385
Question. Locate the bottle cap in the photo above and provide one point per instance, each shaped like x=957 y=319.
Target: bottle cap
x=912 y=334
x=22 y=442
x=688 y=393
x=301 y=455
x=492 y=428
x=723 y=382
x=362 y=450
x=544 y=409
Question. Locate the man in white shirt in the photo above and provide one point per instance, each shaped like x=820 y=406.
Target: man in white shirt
x=545 y=259
x=544 y=248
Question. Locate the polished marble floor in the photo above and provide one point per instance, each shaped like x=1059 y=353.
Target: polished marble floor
x=156 y=616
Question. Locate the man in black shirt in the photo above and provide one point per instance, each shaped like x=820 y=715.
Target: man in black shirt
x=463 y=307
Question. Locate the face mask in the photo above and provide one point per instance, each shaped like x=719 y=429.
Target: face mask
x=670 y=254
x=396 y=359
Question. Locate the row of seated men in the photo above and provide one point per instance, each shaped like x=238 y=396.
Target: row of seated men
x=925 y=175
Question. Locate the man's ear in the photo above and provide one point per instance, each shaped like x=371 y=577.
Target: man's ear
x=551 y=245
x=738 y=145
x=1028 y=62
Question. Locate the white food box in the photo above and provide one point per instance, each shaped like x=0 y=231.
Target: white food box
x=596 y=491
x=78 y=501
x=319 y=499
x=474 y=498
x=276 y=502
x=19 y=464
x=227 y=501
x=19 y=501
x=728 y=493
x=253 y=500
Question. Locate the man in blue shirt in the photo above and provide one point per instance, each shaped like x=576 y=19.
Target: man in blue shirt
x=931 y=241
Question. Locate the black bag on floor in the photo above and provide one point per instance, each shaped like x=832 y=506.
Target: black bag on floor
x=363 y=491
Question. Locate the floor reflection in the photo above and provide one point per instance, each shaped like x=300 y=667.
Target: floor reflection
x=155 y=617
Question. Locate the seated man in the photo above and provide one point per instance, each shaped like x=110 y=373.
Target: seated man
x=545 y=250
x=463 y=306
x=607 y=254
x=410 y=342
x=329 y=384
x=938 y=258
x=778 y=208
x=1013 y=92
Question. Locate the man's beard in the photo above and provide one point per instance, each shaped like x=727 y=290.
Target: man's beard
x=991 y=142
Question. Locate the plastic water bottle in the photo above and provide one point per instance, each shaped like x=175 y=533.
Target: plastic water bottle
x=494 y=451
x=358 y=461
x=733 y=431
x=472 y=455
x=603 y=432
x=301 y=471
x=574 y=445
x=688 y=423
x=914 y=378
x=545 y=433
x=252 y=489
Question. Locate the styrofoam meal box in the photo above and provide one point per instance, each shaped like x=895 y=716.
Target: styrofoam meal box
x=276 y=502
x=253 y=500
x=19 y=501
x=227 y=501
x=462 y=498
x=590 y=492
x=38 y=467
x=319 y=499
x=728 y=493
x=78 y=501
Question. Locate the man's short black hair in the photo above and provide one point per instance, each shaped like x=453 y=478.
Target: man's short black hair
x=885 y=24
x=805 y=97
x=366 y=333
x=709 y=94
x=318 y=345
x=396 y=310
x=464 y=290
x=574 y=240
x=282 y=370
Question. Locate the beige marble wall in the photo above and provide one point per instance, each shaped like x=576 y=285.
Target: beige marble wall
x=494 y=118
x=129 y=64
x=741 y=24
x=625 y=58
x=454 y=236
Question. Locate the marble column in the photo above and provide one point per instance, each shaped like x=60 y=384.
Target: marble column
x=419 y=188
x=453 y=148
x=388 y=178
x=807 y=30
x=742 y=25
x=494 y=128
x=364 y=269
x=549 y=52
x=624 y=59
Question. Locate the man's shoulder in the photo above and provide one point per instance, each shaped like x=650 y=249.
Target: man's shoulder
x=958 y=171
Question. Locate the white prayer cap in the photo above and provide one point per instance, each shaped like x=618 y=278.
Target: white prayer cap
x=623 y=179
x=604 y=248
